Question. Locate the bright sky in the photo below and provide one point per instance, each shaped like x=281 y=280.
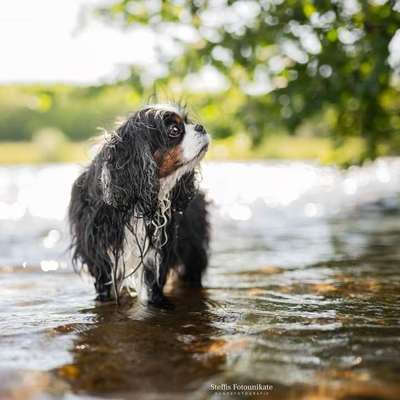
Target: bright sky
x=45 y=41
x=40 y=41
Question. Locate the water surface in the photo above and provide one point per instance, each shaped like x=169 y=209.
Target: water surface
x=302 y=293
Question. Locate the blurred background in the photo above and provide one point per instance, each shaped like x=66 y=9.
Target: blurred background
x=303 y=177
x=295 y=79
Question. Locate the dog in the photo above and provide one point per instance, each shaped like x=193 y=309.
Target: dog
x=136 y=212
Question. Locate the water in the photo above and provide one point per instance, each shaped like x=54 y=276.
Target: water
x=302 y=293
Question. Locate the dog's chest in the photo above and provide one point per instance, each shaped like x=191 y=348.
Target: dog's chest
x=130 y=265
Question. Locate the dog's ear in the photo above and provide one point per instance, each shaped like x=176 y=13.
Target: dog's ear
x=129 y=177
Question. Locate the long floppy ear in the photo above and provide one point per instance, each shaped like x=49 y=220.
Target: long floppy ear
x=129 y=177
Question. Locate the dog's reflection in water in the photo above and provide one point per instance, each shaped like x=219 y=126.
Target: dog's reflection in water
x=136 y=349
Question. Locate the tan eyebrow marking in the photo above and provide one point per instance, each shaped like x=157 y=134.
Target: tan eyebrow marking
x=177 y=118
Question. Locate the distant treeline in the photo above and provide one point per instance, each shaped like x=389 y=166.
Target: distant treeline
x=82 y=112
x=75 y=111
x=50 y=116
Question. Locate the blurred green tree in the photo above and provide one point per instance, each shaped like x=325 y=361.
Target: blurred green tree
x=294 y=60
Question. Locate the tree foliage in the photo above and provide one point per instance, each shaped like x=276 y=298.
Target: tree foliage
x=295 y=61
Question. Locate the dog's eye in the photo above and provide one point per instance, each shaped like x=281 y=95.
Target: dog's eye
x=174 y=131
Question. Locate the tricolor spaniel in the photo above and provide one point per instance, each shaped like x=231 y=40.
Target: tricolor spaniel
x=135 y=212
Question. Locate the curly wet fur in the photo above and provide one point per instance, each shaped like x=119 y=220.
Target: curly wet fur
x=120 y=194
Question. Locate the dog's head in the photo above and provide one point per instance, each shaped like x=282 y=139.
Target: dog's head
x=150 y=155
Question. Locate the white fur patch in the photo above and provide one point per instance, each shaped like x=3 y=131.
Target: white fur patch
x=193 y=142
x=130 y=269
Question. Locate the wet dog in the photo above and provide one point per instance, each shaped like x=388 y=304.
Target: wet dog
x=136 y=212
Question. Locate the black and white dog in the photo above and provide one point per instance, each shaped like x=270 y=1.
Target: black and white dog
x=136 y=213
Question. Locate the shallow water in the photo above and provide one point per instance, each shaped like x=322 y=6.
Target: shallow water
x=302 y=293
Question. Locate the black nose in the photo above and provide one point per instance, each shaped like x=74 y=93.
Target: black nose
x=199 y=128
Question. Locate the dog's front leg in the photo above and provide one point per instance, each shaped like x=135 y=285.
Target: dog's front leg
x=153 y=277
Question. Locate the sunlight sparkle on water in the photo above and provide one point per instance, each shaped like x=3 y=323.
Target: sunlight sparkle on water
x=305 y=188
x=51 y=239
x=43 y=192
x=49 y=265
x=240 y=212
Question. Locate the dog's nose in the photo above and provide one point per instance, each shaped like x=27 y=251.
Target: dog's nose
x=199 y=128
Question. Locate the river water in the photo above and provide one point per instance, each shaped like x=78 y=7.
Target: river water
x=302 y=296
